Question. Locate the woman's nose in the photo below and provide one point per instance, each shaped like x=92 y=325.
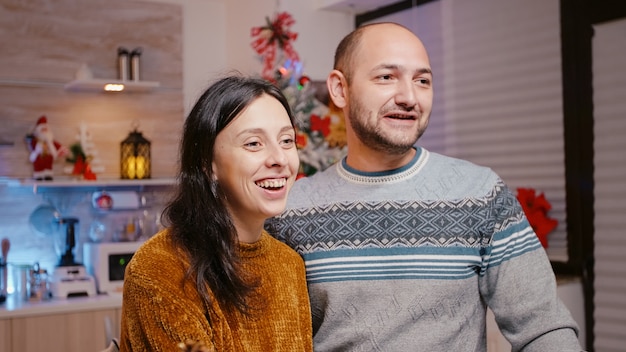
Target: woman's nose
x=277 y=156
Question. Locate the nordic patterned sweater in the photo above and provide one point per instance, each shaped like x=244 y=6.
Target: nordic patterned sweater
x=161 y=309
x=409 y=260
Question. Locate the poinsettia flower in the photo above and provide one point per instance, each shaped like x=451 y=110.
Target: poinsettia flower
x=301 y=139
x=543 y=226
x=321 y=124
x=536 y=208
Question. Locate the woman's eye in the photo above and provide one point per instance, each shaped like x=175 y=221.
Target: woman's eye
x=289 y=141
x=254 y=144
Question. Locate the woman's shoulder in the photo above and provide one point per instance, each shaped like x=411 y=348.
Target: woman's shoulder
x=156 y=256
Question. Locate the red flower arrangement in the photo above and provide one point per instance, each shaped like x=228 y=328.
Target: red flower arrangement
x=536 y=208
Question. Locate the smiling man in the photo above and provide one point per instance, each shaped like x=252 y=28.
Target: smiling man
x=405 y=249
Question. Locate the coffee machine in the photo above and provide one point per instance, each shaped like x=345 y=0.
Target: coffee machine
x=70 y=278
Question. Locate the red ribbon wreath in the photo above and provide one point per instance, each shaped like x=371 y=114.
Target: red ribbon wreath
x=271 y=37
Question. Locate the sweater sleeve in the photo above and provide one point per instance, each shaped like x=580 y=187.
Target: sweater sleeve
x=519 y=286
x=160 y=309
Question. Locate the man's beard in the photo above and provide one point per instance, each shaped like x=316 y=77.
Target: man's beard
x=376 y=137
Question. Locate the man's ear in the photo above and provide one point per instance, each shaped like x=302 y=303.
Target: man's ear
x=337 y=88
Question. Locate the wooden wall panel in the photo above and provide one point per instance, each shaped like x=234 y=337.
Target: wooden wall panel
x=46 y=42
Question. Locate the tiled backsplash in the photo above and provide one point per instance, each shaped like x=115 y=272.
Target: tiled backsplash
x=28 y=245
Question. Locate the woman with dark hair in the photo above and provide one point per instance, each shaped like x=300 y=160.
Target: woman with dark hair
x=214 y=275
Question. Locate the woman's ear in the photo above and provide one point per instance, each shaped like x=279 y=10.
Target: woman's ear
x=212 y=174
x=337 y=88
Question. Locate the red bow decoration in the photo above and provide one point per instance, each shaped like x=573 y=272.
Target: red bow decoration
x=536 y=208
x=275 y=34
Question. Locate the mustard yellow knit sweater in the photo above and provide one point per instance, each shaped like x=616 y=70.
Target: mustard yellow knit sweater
x=160 y=309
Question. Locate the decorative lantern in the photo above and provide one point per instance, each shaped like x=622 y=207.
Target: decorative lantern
x=135 y=156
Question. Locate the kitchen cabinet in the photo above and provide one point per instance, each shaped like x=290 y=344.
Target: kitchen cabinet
x=5 y=335
x=65 y=332
x=59 y=325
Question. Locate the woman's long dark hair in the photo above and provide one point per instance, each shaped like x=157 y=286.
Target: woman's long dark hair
x=197 y=216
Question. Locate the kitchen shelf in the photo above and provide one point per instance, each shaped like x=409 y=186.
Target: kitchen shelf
x=65 y=185
x=97 y=85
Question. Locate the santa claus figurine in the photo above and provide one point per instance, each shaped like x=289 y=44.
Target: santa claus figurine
x=44 y=150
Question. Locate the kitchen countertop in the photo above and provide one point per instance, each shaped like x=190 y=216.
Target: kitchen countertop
x=15 y=308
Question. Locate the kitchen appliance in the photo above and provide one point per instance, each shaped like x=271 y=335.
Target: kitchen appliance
x=70 y=278
x=107 y=261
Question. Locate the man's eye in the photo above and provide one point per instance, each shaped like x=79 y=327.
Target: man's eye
x=424 y=81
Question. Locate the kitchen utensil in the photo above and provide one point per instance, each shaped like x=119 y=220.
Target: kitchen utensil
x=6 y=245
x=21 y=273
x=38 y=284
x=97 y=231
x=65 y=240
x=122 y=63
x=69 y=278
x=3 y=282
x=42 y=219
x=126 y=230
x=72 y=281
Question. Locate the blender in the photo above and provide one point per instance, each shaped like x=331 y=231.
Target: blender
x=70 y=278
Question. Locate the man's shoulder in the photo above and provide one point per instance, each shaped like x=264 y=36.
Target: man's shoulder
x=448 y=164
x=446 y=159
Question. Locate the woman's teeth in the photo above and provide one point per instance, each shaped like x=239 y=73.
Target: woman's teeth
x=276 y=183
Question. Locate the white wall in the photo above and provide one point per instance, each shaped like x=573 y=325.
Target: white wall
x=216 y=38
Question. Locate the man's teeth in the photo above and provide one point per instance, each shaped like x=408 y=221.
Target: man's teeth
x=276 y=183
x=402 y=117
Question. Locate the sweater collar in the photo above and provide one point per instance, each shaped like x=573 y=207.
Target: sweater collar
x=250 y=250
x=388 y=176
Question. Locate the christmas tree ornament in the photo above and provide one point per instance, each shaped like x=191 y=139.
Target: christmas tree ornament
x=44 y=150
